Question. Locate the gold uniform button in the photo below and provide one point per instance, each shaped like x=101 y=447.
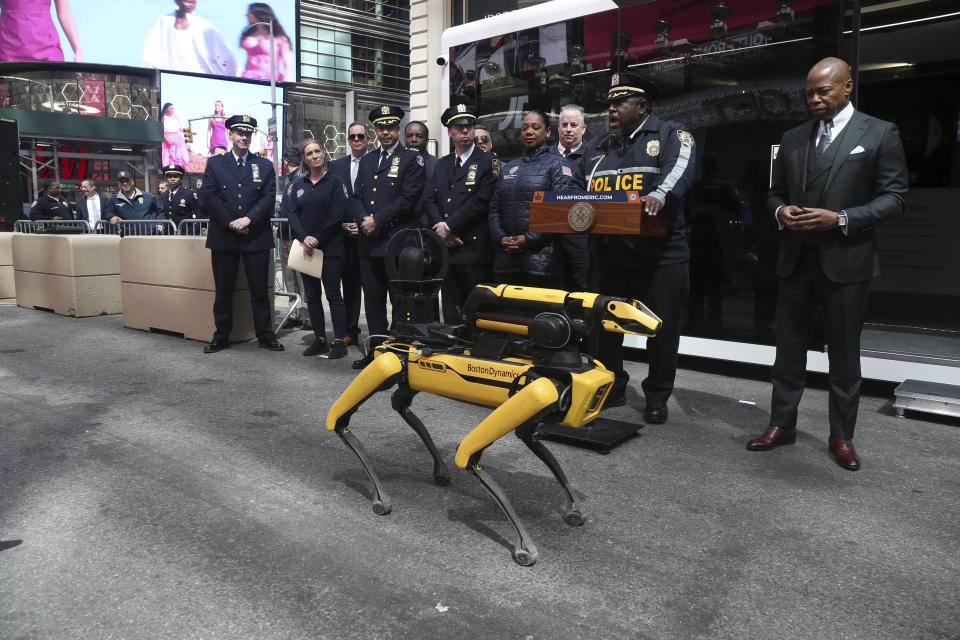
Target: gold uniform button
x=446 y=216
x=239 y=195
x=374 y=188
x=474 y=237
x=239 y=207
x=449 y=200
x=371 y=202
x=375 y=177
x=239 y=185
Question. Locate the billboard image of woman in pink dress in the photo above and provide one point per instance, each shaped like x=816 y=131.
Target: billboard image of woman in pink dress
x=27 y=32
x=174 y=146
x=255 y=40
x=216 y=131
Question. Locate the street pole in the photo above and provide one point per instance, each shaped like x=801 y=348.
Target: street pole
x=273 y=110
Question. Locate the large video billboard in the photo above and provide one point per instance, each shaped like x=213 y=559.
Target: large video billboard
x=202 y=105
x=197 y=36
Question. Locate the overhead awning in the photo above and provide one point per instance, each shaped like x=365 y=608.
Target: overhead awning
x=58 y=125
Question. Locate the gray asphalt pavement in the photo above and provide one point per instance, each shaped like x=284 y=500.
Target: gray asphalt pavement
x=150 y=491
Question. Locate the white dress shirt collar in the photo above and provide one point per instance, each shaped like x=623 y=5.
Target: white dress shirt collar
x=466 y=154
x=839 y=121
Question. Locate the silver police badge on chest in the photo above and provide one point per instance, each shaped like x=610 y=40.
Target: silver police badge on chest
x=653 y=148
x=581 y=217
x=395 y=166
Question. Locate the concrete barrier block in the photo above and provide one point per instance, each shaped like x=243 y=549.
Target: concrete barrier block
x=67 y=255
x=80 y=296
x=180 y=310
x=8 y=287
x=170 y=261
x=6 y=249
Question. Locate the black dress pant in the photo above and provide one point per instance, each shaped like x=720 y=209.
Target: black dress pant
x=842 y=307
x=574 y=260
x=457 y=285
x=329 y=282
x=373 y=278
x=350 y=280
x=664 y=291
x=256 y=265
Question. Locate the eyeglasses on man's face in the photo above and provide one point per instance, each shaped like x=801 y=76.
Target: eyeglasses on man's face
x=481 y=139
x=358 y=136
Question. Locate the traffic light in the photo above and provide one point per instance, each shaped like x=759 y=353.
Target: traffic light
x=188 y=134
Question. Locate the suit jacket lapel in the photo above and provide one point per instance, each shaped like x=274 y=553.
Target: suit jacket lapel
x=803 y=151
x=852 y=134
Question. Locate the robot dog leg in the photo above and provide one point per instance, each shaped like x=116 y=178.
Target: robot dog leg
x=526 y=407
x=401 y=400
x=379 y=375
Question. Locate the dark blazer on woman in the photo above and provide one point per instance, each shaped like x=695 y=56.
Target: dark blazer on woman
x=318 y=209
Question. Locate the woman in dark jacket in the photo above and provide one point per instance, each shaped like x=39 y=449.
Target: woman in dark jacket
x=523 y=257
x=318 y=205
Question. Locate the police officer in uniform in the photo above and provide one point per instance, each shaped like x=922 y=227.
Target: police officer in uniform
x=457 y=208
x=130 y=203
x=238 y=196
x=655 y=158
x=50 y=206
x=389 y=183
x=178 y=203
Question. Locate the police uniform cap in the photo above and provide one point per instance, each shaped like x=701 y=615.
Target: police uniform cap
x=124 y=175
x=386 y=116
x=458 y=114
x=173 y=168
x=624 y=85
x=242 y=122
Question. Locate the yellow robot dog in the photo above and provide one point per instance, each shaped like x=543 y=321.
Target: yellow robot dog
x=518 y=350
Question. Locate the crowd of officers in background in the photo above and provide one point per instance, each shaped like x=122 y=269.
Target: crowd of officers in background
x=479 y=206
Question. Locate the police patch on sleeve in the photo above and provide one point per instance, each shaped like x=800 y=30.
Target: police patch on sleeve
x=420 y=160
x=685 y=138
x=495 y=167
x=653 y=148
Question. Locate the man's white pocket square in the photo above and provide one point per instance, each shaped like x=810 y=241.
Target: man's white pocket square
x=857 y=149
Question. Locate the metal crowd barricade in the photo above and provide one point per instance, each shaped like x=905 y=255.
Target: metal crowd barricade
x=51 y=226
x=137 y=228
x=193 y=227
x=282 y=232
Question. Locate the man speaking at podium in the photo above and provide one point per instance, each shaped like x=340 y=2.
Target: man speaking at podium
x=656 y=159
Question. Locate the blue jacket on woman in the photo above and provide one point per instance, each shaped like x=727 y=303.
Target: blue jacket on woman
x=536 y=170
x=318 y=210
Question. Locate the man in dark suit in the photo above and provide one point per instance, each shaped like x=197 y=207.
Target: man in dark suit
x=571 y=250
x=92 y=205
x=347 y=169
x=415 y=136
x=834 y=179
x=178 y=202
x=387 y=188
x=457 y=208
x=238 y=196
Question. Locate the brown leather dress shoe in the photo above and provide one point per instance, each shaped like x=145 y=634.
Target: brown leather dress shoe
x=844 y=452
x=774 y=437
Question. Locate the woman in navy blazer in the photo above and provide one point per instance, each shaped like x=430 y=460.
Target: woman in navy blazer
x=318 y=206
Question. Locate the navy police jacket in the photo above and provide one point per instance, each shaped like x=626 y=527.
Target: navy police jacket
x=142 y=206
x=389 y=193
x=180 y=205
x=318 y=209
x=657 y=160
x=461 y=198
x=47 y=208
x=230 y=192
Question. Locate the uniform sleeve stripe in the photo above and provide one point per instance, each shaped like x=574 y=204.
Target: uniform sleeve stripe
x=683 y=160
x=613 y=172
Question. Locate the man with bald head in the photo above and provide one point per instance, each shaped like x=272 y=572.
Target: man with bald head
x=835 y=178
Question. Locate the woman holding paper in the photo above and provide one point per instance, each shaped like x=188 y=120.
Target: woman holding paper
x=318 y=205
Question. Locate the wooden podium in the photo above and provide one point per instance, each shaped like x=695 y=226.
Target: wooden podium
x=595 y=212
x=600 y=212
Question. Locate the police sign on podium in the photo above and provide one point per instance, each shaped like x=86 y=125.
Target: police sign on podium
x=611 y=212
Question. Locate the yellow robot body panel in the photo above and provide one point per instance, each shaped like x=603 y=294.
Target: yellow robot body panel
x=587 y=394
x=633 y=318
x=476 y=380
x=385 y=365
x=524 y=405
x=504 y=327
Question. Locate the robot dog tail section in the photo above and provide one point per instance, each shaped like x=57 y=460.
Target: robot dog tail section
x=383 y=370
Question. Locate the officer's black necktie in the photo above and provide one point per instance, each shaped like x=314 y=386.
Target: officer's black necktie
x=566 y=153
x=825 y=137
x=459 y=162
x=383 y=156
x=240 y=162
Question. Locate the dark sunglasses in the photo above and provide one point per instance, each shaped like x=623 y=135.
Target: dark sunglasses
x=481 y=139
x=358 y=136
